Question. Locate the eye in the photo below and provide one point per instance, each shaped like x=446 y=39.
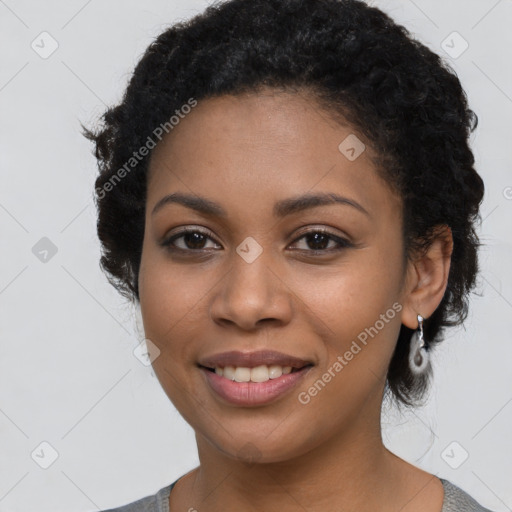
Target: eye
x=317 y=241
x=193 y=239
x=322 y=241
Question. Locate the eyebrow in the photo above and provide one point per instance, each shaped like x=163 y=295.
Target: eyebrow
x=281 y=208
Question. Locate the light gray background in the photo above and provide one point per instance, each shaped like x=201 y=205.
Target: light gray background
x=68 y=375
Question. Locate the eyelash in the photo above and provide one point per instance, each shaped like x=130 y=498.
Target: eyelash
x=342 y=243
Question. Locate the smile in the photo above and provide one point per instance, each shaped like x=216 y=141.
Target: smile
x=251 y=393
x=261 y=373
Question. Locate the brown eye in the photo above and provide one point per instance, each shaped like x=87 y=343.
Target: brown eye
x=319 y=240
x=191 y=240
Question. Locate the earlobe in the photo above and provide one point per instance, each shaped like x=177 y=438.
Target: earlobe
x=428 y=277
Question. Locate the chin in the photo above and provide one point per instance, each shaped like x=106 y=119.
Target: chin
x=260 y=447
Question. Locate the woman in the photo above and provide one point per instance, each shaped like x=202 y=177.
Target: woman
x=287 y=191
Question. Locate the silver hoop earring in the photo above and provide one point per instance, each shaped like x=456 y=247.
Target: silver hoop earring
x=418 y=355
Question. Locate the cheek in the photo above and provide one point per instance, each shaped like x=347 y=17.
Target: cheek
x=173 y=316
x=357 y=315
x=173 y=302
x=168 y=303
x=356 y=310
x=356 y=293
x=160 y=285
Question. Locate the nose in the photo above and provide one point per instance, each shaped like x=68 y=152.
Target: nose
x=252 y=295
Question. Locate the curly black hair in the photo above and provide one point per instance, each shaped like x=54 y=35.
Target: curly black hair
x=361 y=67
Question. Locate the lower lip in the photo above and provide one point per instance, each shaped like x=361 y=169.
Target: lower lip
x=253 y=393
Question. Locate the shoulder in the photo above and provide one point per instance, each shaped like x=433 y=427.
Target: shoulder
x=158 y=502
x=457 y=500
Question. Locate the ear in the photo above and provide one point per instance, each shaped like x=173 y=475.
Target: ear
x=427 y=278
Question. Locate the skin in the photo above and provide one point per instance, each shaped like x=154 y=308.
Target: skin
x=246 y=153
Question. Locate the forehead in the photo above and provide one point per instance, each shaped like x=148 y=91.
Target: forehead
x=263 y=144
x=269 y=122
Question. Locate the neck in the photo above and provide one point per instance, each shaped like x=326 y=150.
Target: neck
x=351 y=470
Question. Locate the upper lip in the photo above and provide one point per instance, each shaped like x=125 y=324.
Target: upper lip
x=252 y=359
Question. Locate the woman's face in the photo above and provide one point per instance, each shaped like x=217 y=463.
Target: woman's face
x=265 y=271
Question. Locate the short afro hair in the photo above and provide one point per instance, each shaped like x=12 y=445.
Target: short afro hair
x=362 y=67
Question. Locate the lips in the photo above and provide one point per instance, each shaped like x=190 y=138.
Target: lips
x=252 y=359
x=251 y=379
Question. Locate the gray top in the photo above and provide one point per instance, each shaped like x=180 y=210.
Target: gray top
x=455 y=500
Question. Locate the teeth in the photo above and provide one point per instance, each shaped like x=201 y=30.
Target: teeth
x=257 y=374
x=229 y=372
x=260 y=373
x=242 y=374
